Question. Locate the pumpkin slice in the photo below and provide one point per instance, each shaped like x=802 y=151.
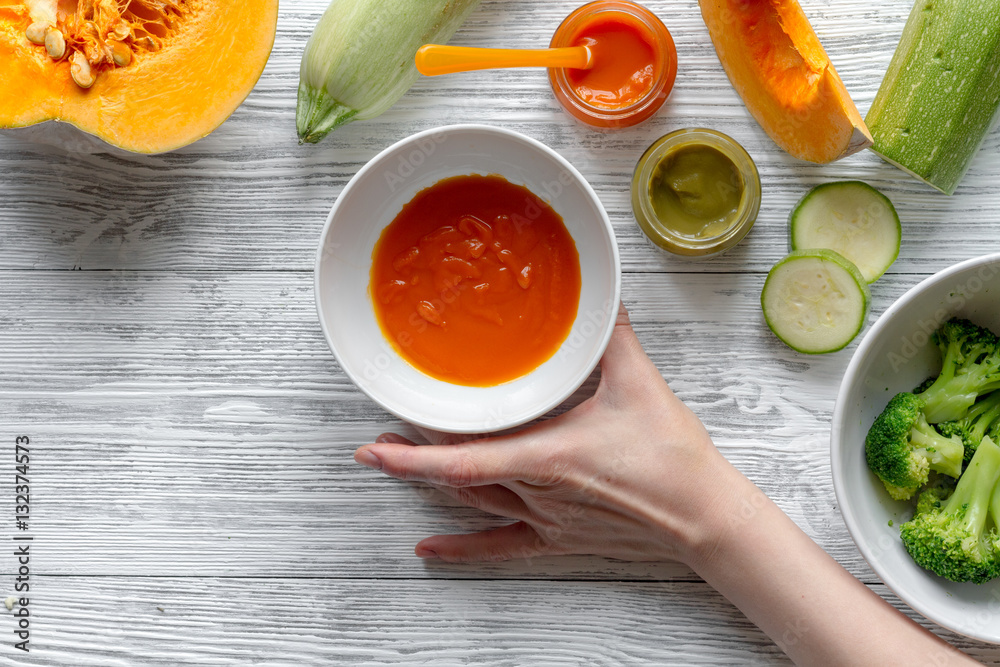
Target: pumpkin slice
x=144 y=75
x=778 y=66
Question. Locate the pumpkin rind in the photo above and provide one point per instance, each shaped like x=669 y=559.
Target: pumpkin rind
x=162 y=99
x=778 y=66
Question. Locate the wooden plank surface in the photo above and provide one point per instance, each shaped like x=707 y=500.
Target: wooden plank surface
x=192 y=434
x=248 y=197
x=231 y=394
x=124 y=621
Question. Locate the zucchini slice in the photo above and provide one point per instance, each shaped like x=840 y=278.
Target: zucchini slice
x=851 y=218
x=815 y=301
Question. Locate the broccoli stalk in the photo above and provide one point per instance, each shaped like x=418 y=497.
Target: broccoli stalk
x=970 y=368
x=950 y=537
x=982 y=418
x=902 y=448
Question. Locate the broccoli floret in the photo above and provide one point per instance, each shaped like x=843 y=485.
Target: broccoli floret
x=970 y=368
x=955 y=536
x=981 y=418
x=902 y=448
x=937 y=491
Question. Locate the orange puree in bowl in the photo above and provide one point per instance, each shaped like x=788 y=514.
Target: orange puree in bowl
x=624 y=61
x=476 y=281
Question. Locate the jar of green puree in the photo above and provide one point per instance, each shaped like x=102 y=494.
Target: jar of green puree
x=695 y=193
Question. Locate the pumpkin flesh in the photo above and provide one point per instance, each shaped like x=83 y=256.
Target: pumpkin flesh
x=180 y=71
x=781 y=71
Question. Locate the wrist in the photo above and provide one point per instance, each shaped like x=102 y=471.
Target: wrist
x=695 y=514
x=730 y=503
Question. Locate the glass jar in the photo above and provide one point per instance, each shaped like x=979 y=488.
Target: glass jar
x=665 y=230
x=649 y=28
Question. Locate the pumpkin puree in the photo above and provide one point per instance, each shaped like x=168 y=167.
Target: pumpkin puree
x=476 y=281
x=624 y=62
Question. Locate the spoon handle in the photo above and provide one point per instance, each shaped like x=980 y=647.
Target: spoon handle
x=435 y=59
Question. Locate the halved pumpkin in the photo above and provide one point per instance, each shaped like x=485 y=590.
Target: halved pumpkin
x=778 y=66
x=144 y=75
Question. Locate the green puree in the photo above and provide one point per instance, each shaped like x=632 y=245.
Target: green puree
x=695 y=191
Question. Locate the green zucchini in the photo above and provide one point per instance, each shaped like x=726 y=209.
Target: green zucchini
x=360 y=58
x=851 y=218
x=941 y=93
x=815 y=301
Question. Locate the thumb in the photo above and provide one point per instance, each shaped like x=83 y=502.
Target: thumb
x=441 y=438
x=518 y=540
x=624 y=359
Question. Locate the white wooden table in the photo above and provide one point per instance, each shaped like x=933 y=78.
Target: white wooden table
x=193 y=496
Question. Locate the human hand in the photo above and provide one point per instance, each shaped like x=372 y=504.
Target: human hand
x=630 y=473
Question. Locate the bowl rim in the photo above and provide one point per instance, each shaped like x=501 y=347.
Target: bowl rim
x=576 y=380
x=837 y=460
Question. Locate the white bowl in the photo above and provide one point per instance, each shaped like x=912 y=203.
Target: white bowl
x=375 y=196
x=896 y=356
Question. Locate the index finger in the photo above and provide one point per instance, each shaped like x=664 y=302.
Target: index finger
x=476 y=463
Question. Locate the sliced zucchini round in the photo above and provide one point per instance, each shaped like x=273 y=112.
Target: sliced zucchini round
x=815 y=301
x=851 y=218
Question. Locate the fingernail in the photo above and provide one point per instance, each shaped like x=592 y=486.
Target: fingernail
x=385 y=437
x=424 y=552
x=367 y=458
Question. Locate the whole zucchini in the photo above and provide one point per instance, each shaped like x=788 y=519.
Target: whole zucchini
x=941 y=93
x=359 y=59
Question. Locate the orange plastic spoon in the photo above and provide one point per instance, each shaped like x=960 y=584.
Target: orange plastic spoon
x=435 y=59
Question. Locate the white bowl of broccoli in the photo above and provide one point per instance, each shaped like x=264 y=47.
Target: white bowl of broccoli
x=920 y=390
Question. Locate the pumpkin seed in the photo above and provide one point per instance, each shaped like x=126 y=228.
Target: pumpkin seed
x=36 y=32
x=55 y=44
x=120 y=53
x=427 y=311
x=524 y=277
x=121 y=31
x=147 y=43
x=80 y=70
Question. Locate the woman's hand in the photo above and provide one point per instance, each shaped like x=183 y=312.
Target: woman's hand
x=630 y=473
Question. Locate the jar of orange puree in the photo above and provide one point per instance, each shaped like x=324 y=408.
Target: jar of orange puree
x=635 y=63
